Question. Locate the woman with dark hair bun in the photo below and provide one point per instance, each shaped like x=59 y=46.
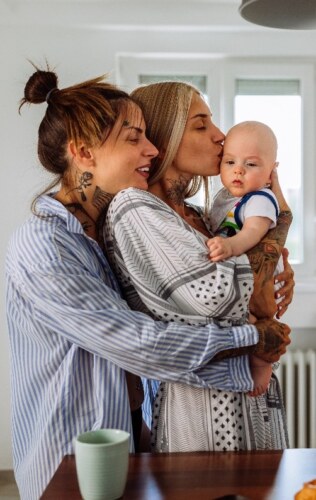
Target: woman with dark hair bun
x=73 y=337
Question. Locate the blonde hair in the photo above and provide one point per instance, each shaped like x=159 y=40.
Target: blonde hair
x=165 y=106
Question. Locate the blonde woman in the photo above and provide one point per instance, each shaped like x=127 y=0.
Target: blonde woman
x=156 y=243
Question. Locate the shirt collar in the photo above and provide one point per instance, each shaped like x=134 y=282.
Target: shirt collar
x=49 y=206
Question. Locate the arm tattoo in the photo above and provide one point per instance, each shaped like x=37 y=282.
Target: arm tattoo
x=265 y=255
x=176 y=193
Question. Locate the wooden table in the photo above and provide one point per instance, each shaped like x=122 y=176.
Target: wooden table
x=254 y=475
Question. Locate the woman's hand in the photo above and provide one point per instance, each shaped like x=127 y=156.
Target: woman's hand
x=287 y=290
x=273 y=340
x=262 y=302
x=274 y=337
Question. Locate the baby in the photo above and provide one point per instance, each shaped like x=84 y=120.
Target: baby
x=249 y=157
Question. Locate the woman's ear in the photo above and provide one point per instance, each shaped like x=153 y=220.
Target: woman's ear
x=81 y=155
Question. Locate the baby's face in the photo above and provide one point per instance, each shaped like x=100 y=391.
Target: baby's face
x=247 y=163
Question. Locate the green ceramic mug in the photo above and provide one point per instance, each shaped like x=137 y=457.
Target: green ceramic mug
x=102 y=463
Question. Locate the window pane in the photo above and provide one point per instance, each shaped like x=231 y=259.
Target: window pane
x=267 y=87
x=283 y=114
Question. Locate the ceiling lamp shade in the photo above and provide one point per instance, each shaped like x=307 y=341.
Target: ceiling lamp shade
x=286 y=14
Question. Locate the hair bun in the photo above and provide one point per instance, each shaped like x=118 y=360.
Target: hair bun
x=39 y=87
x=49 y=93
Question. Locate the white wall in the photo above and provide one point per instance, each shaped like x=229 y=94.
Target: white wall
x=79 y=51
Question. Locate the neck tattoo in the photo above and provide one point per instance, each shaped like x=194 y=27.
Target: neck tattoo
x=80 y=213
x=84 y=182
x=176 y=193
x=101 y=199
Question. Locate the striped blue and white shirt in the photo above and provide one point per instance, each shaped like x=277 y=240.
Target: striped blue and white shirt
x=72 y=336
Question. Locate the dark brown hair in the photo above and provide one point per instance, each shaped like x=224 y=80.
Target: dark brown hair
x=85 y=112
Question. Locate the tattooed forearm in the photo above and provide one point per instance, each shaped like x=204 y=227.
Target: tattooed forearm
x=176 y=193
x=263 y=259
x=101 y=199
x=264 y=256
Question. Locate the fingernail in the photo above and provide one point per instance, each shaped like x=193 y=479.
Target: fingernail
x=276 y=281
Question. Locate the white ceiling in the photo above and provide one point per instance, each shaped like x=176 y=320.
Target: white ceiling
x=91 y=2
x=124 y=14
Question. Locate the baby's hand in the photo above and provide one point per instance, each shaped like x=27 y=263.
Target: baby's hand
x=220 y=248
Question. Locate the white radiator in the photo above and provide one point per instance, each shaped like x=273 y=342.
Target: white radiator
x=297 y=376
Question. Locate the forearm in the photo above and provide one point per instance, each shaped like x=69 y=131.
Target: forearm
x=273 y=341
x=230 y=374
x=265 y=255
x=168 y=352
x=263 y=259
x=100 y=322
x=244 y=240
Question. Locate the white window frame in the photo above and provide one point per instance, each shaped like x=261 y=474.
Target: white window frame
x=221 y=73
